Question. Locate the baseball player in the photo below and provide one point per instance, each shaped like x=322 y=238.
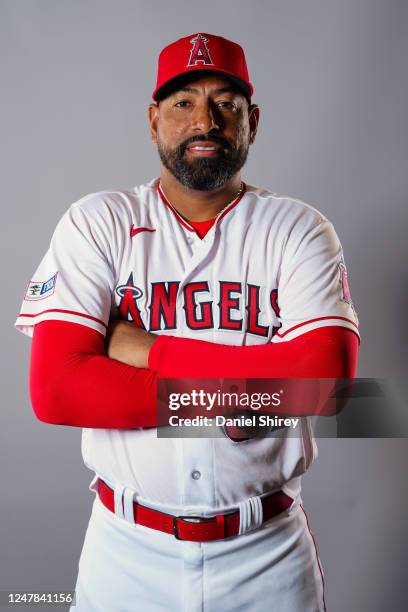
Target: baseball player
x=194 y=274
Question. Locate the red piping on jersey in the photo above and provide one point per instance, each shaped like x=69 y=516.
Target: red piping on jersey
x=174 y=211
x=234 y=203
x=317 y=556
x=78 y=314
x=183 y=221
x=312 y=321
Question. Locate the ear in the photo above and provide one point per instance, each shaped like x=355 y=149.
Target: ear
x=153 y=119
x=253 y=117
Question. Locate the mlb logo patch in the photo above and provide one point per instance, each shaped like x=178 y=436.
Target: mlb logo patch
x=39 y=290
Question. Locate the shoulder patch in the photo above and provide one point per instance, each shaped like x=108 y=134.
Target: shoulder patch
x=39 y=290
x=345 y=294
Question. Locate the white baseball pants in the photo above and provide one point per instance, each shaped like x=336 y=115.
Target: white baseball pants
x=126 y=568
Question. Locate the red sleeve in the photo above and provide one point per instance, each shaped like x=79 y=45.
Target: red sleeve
x=327 y=352
x=72 y=382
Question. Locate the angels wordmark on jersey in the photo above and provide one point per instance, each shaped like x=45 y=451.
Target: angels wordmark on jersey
x=269 y=269
x=199 y=305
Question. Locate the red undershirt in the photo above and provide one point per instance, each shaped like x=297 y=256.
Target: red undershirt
x=202 y=227
x=72 y=382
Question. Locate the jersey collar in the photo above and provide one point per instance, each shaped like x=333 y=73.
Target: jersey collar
x=183 y=221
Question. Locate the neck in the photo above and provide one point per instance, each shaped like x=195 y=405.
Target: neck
x=195 y=205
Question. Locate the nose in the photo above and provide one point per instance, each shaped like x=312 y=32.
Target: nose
x=204 y=119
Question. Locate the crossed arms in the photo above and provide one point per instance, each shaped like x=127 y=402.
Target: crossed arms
x=79 y=379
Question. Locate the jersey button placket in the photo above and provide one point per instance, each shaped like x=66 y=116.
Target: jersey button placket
x=197 y=487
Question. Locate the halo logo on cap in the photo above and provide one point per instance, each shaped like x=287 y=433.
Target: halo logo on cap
x=199 y=51
x=195 y=54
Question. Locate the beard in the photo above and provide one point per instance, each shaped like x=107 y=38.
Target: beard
x=205 y=174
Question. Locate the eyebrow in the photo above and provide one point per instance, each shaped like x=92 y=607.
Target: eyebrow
x=219 y=90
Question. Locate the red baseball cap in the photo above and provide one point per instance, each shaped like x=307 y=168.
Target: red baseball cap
x=201 y=52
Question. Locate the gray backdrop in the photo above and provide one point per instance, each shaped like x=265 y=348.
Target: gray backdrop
x=330 y=78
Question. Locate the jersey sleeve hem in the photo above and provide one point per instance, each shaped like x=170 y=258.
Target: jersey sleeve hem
x=25 y=322
x=285 y=334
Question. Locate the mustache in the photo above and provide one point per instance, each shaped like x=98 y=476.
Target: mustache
x=223 y=142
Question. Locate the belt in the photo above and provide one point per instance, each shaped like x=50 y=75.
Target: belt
x=195 y=528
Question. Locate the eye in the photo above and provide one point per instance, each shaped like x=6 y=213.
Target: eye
x=182 y=104
x=226 y=104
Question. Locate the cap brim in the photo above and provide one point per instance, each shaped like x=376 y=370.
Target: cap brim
x=178 y=81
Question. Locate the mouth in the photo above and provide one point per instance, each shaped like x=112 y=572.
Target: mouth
x=204 y=149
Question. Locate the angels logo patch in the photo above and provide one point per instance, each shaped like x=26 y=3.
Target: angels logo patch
x=39 y=290
x=199 y=51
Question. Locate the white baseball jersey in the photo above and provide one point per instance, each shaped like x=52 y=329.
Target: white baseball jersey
x=271 y=268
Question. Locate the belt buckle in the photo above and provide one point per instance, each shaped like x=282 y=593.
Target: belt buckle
x=190 y=518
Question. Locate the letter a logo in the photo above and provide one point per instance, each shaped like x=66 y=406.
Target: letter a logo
x=199 y=51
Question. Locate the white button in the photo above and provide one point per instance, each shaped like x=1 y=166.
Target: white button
x=196 y=475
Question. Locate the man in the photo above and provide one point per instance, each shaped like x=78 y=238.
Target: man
x=195 y=274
